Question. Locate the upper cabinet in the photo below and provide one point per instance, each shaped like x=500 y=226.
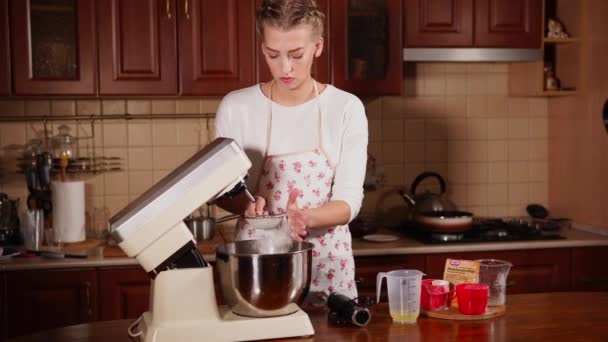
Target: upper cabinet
x=367 y=55
x=320 y=67
x=473 y=23
x=438 y=23
x=137 y=47
x=217 y=52
x=508 y=23
x=184 y=47
x=54 y=44
x=5 y=61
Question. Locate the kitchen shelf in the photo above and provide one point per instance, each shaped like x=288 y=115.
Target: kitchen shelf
x=561 y=54
x=100 y=117
x=559 y=92
x=560 y=40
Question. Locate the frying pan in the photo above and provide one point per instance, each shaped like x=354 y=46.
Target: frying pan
x=443 y=221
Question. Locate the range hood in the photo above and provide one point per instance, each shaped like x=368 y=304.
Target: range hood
x=471 y=55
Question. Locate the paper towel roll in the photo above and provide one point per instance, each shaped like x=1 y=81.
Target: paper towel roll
x=68 y=211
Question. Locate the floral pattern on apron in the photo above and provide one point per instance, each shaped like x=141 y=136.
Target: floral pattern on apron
x=312 y=173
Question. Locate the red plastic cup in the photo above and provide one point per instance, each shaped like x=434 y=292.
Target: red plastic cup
x=472 y=298
x=434 y=294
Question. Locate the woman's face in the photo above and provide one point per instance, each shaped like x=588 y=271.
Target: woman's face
x=290 y=54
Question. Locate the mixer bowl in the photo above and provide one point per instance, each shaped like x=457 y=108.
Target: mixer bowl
x=259 y=279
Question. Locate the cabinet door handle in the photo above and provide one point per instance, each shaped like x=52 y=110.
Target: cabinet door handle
x=187 y=9
x=87 y=297
x=168 y=8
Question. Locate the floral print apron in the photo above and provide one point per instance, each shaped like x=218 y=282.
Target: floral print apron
x=310 y=172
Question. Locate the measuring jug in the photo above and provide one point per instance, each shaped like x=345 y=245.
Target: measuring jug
x=493 y=273
x=403 y=294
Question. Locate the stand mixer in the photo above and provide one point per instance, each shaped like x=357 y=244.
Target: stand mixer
x=182 y=299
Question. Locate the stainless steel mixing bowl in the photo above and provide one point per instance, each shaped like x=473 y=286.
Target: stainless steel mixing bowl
x=259 y=279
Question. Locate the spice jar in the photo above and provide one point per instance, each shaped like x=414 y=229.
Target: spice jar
x=64 y=144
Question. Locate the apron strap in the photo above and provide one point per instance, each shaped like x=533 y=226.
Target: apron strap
x=269 y=121
x=269 y=126
x=320 y=131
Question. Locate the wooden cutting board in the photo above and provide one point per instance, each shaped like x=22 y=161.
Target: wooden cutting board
x=453 y=313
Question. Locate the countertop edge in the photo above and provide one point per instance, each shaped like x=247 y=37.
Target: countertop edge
x=476 y=247
x=360 y=247
x=38 y=263
x=591 y=228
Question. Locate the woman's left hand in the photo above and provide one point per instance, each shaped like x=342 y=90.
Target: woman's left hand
x=296 y=217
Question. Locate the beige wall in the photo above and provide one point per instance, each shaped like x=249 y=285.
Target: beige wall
x=456 y=119
x=578 y=157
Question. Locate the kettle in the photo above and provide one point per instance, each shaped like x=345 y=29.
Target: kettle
x=427 y=201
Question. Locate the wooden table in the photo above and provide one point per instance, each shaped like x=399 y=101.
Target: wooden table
x=565 y=316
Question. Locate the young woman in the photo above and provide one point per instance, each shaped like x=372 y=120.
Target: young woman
x=307 y=142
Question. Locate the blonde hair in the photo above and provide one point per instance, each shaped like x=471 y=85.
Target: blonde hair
x=287 y=14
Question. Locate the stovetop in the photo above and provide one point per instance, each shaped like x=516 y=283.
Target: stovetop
x=493 y=230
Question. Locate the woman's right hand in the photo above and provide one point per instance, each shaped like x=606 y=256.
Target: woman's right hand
x=257 y=208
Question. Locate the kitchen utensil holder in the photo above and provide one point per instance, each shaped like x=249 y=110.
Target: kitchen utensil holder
x=93 y=163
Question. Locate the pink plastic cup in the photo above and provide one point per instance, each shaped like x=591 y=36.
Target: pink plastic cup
x=472 y=298
x=434 y=294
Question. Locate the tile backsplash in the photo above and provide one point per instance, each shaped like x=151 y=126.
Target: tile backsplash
x=149 y=149
x=457 y=119
x=453 y=118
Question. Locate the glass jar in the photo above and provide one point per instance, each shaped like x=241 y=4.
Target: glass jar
x=64 y=144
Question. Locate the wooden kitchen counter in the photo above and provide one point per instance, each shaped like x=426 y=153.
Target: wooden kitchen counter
x=563 y=316
x=112 y=256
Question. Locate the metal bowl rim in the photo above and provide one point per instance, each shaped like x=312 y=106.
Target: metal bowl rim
x=220 y=250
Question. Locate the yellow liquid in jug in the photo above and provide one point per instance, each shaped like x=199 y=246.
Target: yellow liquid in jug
x=407 y=317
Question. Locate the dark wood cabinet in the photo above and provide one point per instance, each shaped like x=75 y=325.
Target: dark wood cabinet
x=508 y=23
x=590 y=269
x=137 y=47
x=124 y=292
x=535 y=270
x=217 y=52
x=367 y=268
x=36 y=300
x=5 y=60
x=53 y=47
x=41 y=300
x=473 y=23
x=366 y=43
x=3 y=327
x=320 y=67
x=184 y=47
x=438 y=23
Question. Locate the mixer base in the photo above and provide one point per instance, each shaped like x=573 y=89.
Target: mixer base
x=230 y=327
x=184 y=309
